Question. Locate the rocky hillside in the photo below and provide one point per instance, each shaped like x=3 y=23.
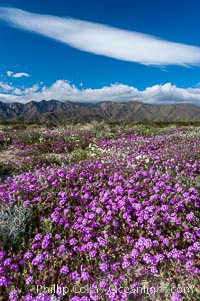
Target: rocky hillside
x=55 y=111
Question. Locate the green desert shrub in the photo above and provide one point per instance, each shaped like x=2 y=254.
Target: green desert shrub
x=14 y=223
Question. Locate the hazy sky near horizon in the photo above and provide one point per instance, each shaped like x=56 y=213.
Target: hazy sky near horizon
x=98 y=50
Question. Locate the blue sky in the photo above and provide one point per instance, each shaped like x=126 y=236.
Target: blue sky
x=96 y=50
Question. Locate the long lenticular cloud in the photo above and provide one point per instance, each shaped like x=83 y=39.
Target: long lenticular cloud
x=103 y=39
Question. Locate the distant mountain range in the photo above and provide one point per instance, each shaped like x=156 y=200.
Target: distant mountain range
x=56 y=112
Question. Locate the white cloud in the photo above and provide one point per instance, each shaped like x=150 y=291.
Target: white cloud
x=63 y=90
x=5 y=87
x=104 y=40
x=17 y=75
x=17 y=91
x=9 y=73
x=21 y=74
x=26 y=91
x=32 y=89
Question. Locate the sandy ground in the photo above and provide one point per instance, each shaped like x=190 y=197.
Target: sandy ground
x=5 y=156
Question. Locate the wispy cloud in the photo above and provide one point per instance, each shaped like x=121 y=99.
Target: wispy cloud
x=63 y=90
x=6 y=87
x=17 y=75
x=104 y=40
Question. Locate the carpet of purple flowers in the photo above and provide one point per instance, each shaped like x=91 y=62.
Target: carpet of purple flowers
x=112 y=209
